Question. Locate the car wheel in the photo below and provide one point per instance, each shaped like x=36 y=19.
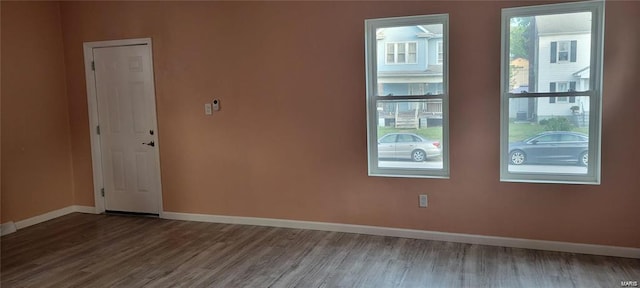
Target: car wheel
x=583 y=160
x=517 y=157
x=418 y=155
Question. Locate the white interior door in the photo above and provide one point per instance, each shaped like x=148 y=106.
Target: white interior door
x=128 y=128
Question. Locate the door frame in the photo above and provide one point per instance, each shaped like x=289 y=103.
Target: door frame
x=92 y=102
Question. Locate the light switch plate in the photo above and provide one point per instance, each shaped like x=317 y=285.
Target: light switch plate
x=423 y=201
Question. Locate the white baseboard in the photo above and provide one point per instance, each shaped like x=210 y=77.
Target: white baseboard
x=84 y=209
x=43 y=217
x=628 y=252
x=604 y=250
x=10 y=227
x=7 y=228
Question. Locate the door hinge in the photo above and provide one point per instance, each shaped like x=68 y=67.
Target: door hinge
x=102 y=192
x=98 y=129
x=93 y=66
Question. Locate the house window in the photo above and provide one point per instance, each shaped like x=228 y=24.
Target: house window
x=391 y=53
x=440 y=53
x=550 y=128
x=563 y=51
x=565 y=86
x=412 y=53
x=401 y=53
x=562 y=87
x=407 y=114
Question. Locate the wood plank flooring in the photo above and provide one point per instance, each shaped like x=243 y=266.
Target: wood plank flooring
x=83 y=250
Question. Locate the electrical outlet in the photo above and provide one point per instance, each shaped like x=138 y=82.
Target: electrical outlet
x=423 y=201
x=207 y=109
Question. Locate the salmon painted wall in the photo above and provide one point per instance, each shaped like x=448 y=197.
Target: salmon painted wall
x=290 y=140
x=36 y=148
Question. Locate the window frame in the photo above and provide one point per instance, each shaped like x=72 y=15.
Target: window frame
x=562 y=99
x=568 y=51
x=597 y=8
x=395 y=53
x=372 y=96
x=439 y=51
x=565 y=83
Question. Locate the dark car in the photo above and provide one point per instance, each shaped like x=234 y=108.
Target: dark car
x=555 y=147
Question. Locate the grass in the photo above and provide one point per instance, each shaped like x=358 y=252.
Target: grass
x=431 y=133
x=521 y=131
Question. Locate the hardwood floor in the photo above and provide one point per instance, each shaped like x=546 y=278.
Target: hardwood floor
x=83 y=250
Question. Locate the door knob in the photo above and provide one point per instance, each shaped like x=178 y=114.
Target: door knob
x=152 y=144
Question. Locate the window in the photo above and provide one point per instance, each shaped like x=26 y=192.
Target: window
x=550 y=125
x=402 y=53
x=388 y=139
x=440 y=54
x=391 y=53
x=562 y=87
x=407 y=105
x=563 y=51
x=412 y=53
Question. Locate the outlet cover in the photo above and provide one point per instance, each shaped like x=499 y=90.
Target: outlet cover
x=423 y=201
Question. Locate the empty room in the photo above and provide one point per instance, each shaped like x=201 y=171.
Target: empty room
x=320 y=144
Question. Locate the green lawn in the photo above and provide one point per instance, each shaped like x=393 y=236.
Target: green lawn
x=521 y=131
x=432 y=133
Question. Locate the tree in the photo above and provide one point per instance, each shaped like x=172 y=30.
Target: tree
x=520 y=44
x=520 y=37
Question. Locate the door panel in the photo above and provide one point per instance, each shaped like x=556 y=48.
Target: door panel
x=140 y=119
x=113 y=98
x=117 y=159
x=141 y=168
x=126 y=112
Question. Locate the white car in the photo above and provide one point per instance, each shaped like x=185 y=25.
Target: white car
x=408 y=146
